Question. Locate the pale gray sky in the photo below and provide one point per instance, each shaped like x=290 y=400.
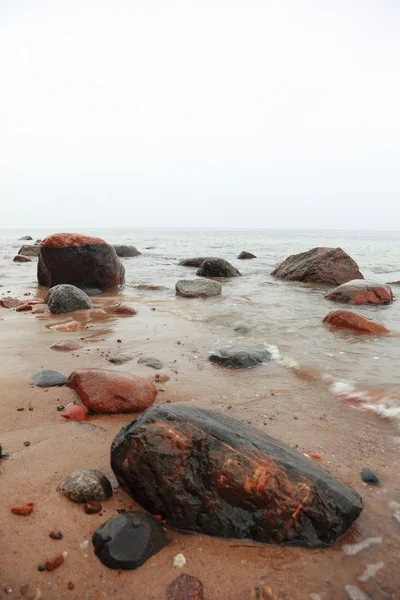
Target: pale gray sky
x=228 y=113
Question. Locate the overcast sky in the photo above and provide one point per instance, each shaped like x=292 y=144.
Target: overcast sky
x=200 y=113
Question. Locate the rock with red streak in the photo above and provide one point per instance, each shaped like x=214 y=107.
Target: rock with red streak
x=346 y=319
x=75 y=412
x=23 y=307
x=22 y=259
x=185 y=587
x=23 y=509
x=9 y=302
x=54 y=563
x=79 y=260
x=331 y=266
x=107 y=391
x=360 y=291
x=67 y=327
x=124 y=309
x=67 y=346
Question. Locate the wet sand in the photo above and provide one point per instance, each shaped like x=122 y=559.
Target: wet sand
x=297 y=410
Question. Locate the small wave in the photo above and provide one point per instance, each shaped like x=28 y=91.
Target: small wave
x=384 y=404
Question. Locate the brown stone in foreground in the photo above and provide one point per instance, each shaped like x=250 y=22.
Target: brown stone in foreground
x=21 y=259
x=362 y=292
x=208 y=473
x=185 y=587
x=9 y=302
x=346 y=319
x=23 y=307
x=108 y=391
x=332 y=266
x=67 y=346
x=93 y=507
x=79 y=260
x=124 y=309
x=75 y=412
x=54 y=563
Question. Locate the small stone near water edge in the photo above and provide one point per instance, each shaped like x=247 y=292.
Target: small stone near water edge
x=23 y=308
x=27 y=238
x=124 y=309
x=360 y=291
x=197 y=288
x=56 y=535
x=185 y=587
x=86 y=485
x=9 y=302
x=66 y=298
x=126 y=251
x=74 y=412
x=368 y=476
x=67 y=346
x=48 y=378
x=240 y=358
x=68 y=326
x=120 y=359
x=241 y=327
x=246 y=255
x=179 y=561
x=150 y=361
x=22 y=259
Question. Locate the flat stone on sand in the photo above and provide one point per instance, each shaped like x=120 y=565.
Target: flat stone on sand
x=240 y=358
x=47 y=379
x=197 y=288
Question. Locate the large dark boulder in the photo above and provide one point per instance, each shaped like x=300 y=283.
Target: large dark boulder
x=197 y=288
x=65 y=298
x=319 y=265
x=80 y=260
x=217 y=267
x=126 y=251
x=362 y=292
x=246 y=255
x=208 y=473
x=29 y=250
x=194 y=262
x=240 y=358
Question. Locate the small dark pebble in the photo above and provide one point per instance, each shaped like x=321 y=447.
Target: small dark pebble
x=56 y=535
x=153 y=309
x=369 y=477
x=30 y=408
x=41 y=568
x=121 y=510
x=19 y=409
x=60 y=407
x=71 y=585
x=119 y=341
x=92 y=508
x=27 y=443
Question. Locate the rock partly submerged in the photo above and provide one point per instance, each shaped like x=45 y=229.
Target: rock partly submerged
x=195 y=262
x=208 y=473
x=346 y=319
x=331 y=266
x=361 y=291
x=240 y=358
x=28 y=250
x=246 y=255
x=217 y=267
x=21 y=259
x=65 y=298
x=126 y=251
x=197 y=288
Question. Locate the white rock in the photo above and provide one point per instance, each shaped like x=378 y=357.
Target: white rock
x=179 y=561
x=352 y=549
x=354 y=593
x=370 y=571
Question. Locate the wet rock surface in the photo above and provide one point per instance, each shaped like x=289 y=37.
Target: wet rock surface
x=332 y=266
x=75 y=412
x=67 y=346
x=9 y=302
x=195 y=262
x=124 y=309
x=240 y=358
x=185 y=587
x=246 y=255
x=48 y=378
x=79 y=260
x=346 y=319
x=25 y=238
x=67 y=327
x=150 y=361
x=241 y=327
x=120 y=358
x=258 y=488
x=65 y=298
x=217 y=267
x=108 y=391
x=27 y=250
x=368 y=476
x=21 y=259
x=360 y=291
x=128 y=540
x=126 y=251
x=86 y=485
x=197 y=288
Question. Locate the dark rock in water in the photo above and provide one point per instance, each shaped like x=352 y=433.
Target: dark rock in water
x=240 y=358
x=217 y=267
x=120 y=358
x=358 y=291
x=29 y=250
x=65 y=298
x=20 y=258
x=150 y=361
x=369 y=477
x=246 y=255
x=126 y=251
x=185 y=587
x=47 y=378
x=128 y=540
x=319 y=265
x=26 y=237
x=90 y=291
x=208 y=473
x=38 y=242
x=86 y=485
x=197 y=288
x=79 y=260
x=194 y=262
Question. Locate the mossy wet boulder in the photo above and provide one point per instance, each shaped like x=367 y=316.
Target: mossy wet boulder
x=208 y=473
x=217 y=267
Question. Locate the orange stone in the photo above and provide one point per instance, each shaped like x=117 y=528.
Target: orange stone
x=70 y=240
x=54 y=562
x=75 y=412
x=66 y=327
x=67 y=346
x=23 y=509
x=23 y=307
x=124 y=309
x=346 y=319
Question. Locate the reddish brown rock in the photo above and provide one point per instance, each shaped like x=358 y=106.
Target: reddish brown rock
x=345 y=319
x=319 y=265
x=23 y=307
x=362 y=292
x=67 y=346
x=79 y=260
x=75 y=412
x=67 y=327
x=161 y=378
x=9 y=302
x=93 y=507
x=38 y=310
x=185 y=587
x=107 y=391
x=54 y=563
x=22 y=259
x=124 y=309
x=23 y=509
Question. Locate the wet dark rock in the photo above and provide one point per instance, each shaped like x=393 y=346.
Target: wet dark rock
x=128 y=540
x=47 y=378
x=21 y=259
x=56 y=535
x=368 y=476
x=246 y=255
x=41 y=568
x=358 y=291
x=120 y=358
x=150 y=361
x=54 y=563
x=92 y=508
x=185 y=587
x=26 y=237
x=126 y=251
x=331 y=266
x=197 y=288
x=65 y=298
x=179 y=461
x=217 y=267
x=90 y=291
x=194 y=262
x=240 y=358
x=86 y=485
x=27 y=250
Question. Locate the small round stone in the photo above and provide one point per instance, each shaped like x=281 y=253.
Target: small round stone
x=71 y=585
x=86 y=485
x=41 y=568
x=368 y=476
x=92 y=508
x=56 y=535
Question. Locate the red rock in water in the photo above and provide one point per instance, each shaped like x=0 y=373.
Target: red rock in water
x=66 y=327
x=21 y=259
x=23 y=509
x=9 y=302
x=67 y=346
x=345 y=319
x=34 y=301
x=38 y=311
x=54 y=563
x=23 y=307
x=185 y=587
x=107 y=391
x=79 y=260
x=319 y=265
x=75 y=412
x=124 y=309
x=362 y=292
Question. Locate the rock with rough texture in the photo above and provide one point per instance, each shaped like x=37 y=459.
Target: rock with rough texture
x=128 y=540
x=217 y=267
x=185 y=587
x=241 y=327
x=345 y=319
x=79 y=260
x=26 y=238
x=29 y=250
x=320 y=265
x=86 y=485
x=9 y=302
x=197 y=288
x=108 y=391
x=75 y=412
x=126 y=251
x=65 y=298
x=208 y=473
x=46 y=378
x=150 y=361
x=246 y=255
x=67 y=327
x=120 y=358
x=22 y=259
x=124 y=309
x=23 y=307
x=67 y=346
x=194 y=262
x=150 y=287
x=368 y=476
x=240 y=358
x=360 y=291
